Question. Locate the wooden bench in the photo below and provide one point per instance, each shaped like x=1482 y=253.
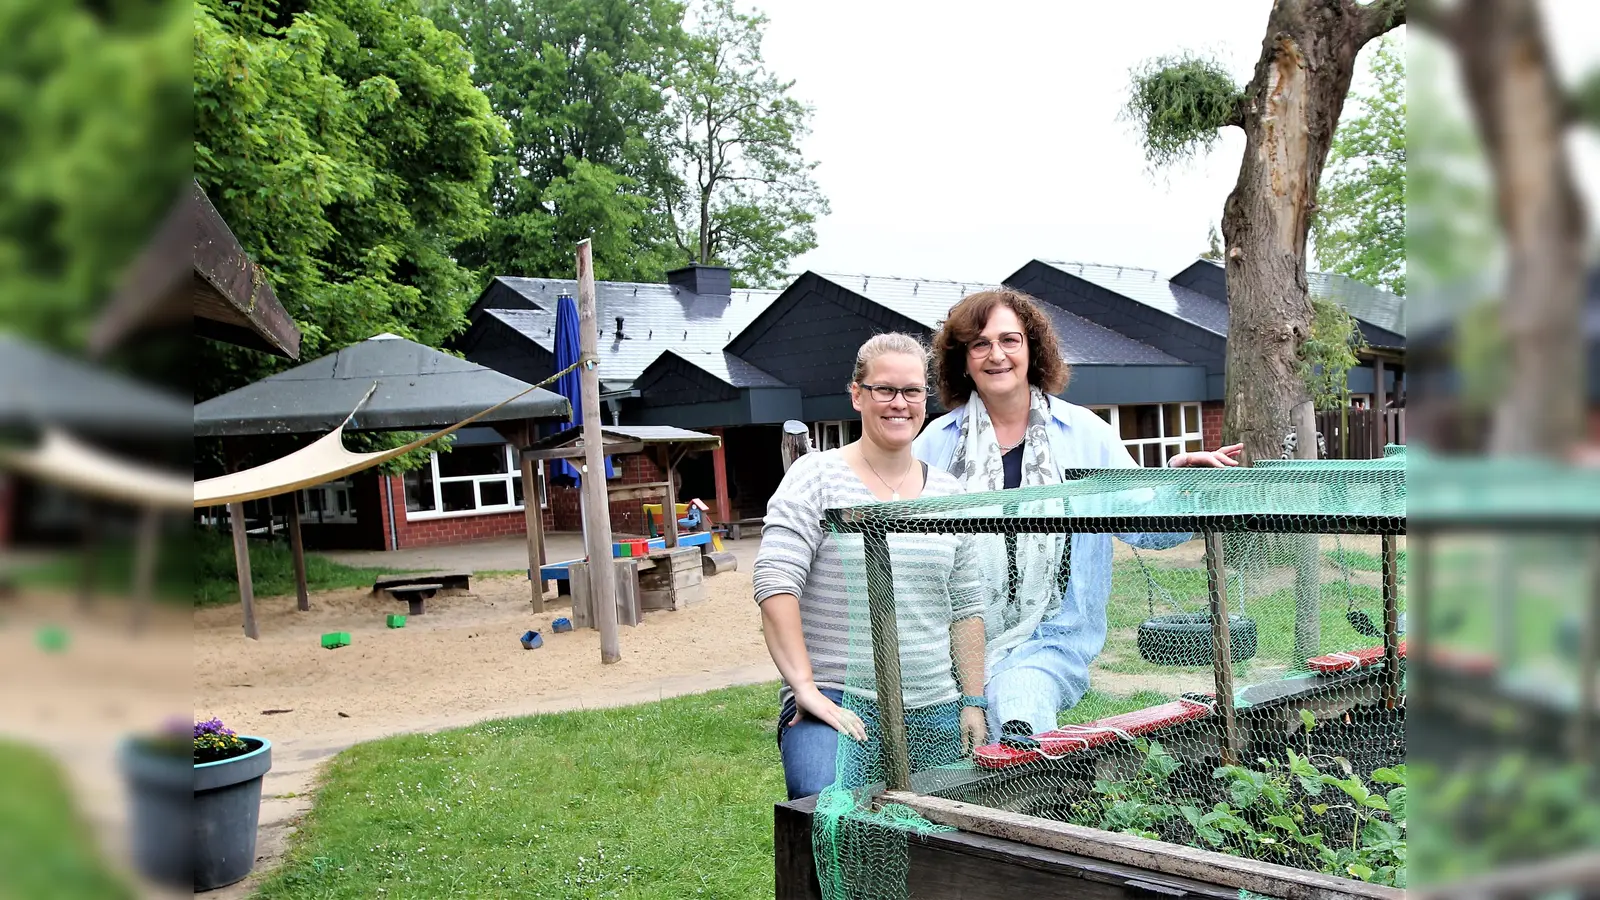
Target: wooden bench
x=414 y=594
x=453 y=580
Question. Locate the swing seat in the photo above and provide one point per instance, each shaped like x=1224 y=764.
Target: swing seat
x=1184 y=639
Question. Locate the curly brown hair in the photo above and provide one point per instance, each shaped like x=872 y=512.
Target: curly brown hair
x=1046 y=369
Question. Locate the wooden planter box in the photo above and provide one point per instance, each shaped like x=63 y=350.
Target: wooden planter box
x=1030 y=857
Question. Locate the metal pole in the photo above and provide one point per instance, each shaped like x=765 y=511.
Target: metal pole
x=597 y=509
x=886 y=660
x=1221 y=646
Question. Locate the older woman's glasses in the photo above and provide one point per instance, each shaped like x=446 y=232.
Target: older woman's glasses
x=884 y=393
x=1010 y=342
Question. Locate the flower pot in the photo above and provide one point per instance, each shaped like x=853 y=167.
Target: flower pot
x=218 y=803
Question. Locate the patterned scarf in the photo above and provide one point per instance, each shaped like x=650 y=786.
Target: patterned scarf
x=1011 y=616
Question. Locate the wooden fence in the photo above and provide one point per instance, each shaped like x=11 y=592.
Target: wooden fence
x=1362 y=440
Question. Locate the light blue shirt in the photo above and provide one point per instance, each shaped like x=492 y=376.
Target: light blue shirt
x=1050 y=670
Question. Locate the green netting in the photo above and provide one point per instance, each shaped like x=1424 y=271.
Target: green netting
x=1279 y=738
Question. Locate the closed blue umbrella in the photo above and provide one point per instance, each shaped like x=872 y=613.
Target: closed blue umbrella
x=568 y=348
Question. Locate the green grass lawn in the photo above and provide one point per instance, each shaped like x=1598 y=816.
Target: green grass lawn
x=664 y=800
x=45 y=850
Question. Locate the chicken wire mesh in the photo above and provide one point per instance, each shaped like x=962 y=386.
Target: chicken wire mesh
x=1207 y=657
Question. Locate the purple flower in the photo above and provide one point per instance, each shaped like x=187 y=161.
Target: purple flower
x=211 y=726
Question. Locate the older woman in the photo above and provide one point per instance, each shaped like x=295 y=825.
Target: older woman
x=998 y=371
x=803 y=579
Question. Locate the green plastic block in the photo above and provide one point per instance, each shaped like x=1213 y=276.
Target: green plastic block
x=395 y=621
x=52 y=639
x=335 y=639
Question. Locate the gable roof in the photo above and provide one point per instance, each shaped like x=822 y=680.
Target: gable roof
x=1374 y=306
x=39 y=387
x=655 y=318
x=928 y=302
x=418 y=387
x=1148 y=287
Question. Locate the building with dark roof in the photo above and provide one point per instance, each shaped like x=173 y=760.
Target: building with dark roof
x=1146 y=352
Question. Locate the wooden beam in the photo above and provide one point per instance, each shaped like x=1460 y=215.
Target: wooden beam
x=669 y=507
x=532 y=518
x=1391 y=624
x=1221 y=646
x=886 y=659
x=241 y=566
x=579 y=451
x=597 y=508
x=1380 y=400
x=1270 y=879
x=297 y=550
x=144 y=564
x=719 y=476
x=625 y=492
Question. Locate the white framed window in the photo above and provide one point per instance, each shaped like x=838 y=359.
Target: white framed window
x=470 y=480
x=1155 y=432
x=329 y=504
x=833 y=435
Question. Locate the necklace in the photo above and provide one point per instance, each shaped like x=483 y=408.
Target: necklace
x=894 y=492
x=1020 y=441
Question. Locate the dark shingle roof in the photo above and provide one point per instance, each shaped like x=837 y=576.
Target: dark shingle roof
x=1375 y=306
x=656 y=318
x=1148 y=287
x=1082 y=342
x=727 y=367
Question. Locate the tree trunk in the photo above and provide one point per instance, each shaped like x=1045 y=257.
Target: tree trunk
x=1522 y=118
x=1289 y=113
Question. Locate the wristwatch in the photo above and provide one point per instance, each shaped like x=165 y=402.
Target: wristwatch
x=979 y=701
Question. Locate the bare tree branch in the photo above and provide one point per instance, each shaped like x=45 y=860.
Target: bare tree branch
x=1378 y=18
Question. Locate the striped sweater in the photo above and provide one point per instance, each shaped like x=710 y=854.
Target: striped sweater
x=935 y=583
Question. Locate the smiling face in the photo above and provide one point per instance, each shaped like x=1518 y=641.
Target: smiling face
x=998 y=373
x=893 y=424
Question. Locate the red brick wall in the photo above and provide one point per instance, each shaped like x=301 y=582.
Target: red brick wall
x=1211 y=423
x=563 y=514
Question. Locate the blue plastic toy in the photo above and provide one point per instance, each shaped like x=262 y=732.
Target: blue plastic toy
x=531 y=640
x=561 y=625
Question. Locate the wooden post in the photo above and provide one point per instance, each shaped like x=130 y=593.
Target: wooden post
x=532 y=517
x=1391 y=624
x=297 y=550
x=886 y=660
x=719 y=474
x=1588 y=728
x=1221 y=646
x=92 y=550
x=597 y=509
x=241 y=565
x=144 y=564
x=669 y=508
x=1419 y=624
x=796 y=442
x=1380 y=400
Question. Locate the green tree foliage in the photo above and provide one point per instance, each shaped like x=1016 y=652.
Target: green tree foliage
x=346 y=145
x=1213 y=245
x=747 y=199
x=1327 y=357
x=580 y=85
x=1179 y=105
x=1360 y=226
x=94 y=118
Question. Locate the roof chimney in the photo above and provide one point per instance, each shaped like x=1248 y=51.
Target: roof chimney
x=619 y=326
x=697 y=279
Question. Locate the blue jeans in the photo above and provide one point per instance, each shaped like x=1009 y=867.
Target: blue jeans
x=810 y=749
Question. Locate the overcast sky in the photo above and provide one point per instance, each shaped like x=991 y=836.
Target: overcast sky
x=959 y=142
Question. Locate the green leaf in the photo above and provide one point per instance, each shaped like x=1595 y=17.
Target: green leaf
x=1307 y=719
x=1357 y=870
x=1283 y=823
x=1390 y=776
x=1397 y=803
